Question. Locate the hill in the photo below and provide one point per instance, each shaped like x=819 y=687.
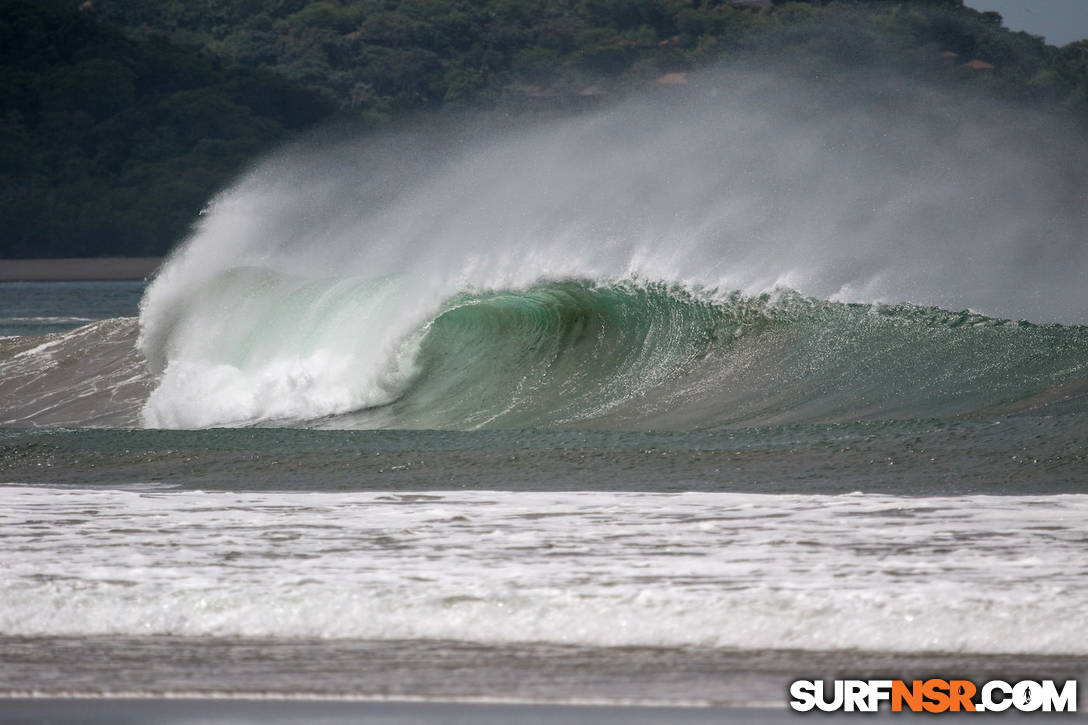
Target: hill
x=120 y=118
x=384 y=58
x=111 y=145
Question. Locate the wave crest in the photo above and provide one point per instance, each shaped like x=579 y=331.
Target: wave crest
x=569 y=272
x=627 y=354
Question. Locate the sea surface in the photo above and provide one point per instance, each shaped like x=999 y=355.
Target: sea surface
x=666 y=566
x=412 y=419
x=37 y=308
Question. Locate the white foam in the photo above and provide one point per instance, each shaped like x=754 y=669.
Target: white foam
x=739 y=186
x=289 y=348
x=969 y=574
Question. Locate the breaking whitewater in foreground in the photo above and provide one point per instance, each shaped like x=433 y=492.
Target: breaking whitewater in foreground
x=690 y=400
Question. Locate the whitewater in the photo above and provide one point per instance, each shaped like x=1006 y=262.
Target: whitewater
x=750 y=253
x=595 y=568
x=585 y=264
x=703 y=391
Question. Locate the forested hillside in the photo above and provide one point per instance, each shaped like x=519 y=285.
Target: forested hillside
x=384 y=57
x=120 y=118
x=111 y=145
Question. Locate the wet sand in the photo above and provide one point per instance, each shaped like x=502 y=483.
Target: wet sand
x=179 y=711
x=169 y=680
x=73 y=270
x=330 y=712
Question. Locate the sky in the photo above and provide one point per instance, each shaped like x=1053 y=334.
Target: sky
x=1059 y=21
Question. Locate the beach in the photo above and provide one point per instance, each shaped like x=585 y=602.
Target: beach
x=78 y=269
x=188 y=711
x=277 y=681
x=183 y=710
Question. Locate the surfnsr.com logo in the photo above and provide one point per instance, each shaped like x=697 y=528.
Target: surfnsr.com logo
x=933 y=695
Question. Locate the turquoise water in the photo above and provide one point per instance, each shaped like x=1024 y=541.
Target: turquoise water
x=564 y=386
x=756 y=375
x=648 y=481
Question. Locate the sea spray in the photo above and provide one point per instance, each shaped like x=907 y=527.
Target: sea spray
x=261 y=346
x=741 y=183
x=620 y=355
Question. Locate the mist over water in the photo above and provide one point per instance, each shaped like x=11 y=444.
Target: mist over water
x=765 y=367
x=310 y=288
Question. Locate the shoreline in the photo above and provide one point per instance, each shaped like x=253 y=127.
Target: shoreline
x=358 y=671
x=81 y=269
x=167 y=711
x=242 y=711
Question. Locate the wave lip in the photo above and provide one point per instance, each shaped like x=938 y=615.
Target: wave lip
x=257 y=347
x=595 y=270
x=616 y=354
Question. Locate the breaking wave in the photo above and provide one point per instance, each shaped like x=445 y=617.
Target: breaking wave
x=624 y=355
x=746 y=253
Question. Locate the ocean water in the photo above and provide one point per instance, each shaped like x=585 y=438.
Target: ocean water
x=644 y=405
x=37 y=308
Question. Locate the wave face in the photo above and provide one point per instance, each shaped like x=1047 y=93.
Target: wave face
x=747 y=253
x=90 y=376
x=627 y=355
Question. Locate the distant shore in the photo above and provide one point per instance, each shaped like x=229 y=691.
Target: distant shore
x=108 y=710
x=77 y=269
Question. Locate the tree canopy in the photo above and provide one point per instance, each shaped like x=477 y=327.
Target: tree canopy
x=120 y=118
